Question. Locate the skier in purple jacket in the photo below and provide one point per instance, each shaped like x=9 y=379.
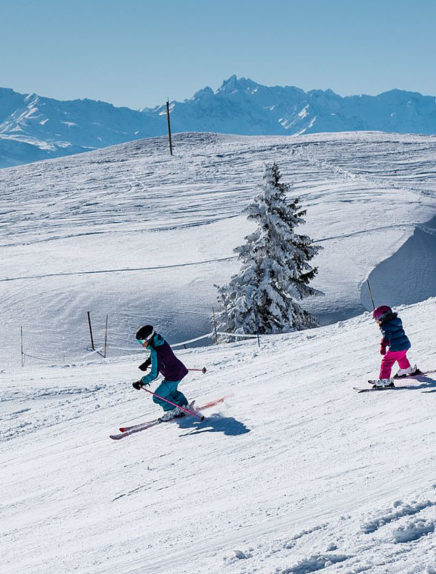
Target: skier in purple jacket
x=163 y=361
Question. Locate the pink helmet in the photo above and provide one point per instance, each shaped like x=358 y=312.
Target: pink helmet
x=381 y=312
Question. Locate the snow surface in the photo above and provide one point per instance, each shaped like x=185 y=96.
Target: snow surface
x=295 y=472
x=134 y=233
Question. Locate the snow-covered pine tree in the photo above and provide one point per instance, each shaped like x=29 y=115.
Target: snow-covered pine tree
x=275 y=269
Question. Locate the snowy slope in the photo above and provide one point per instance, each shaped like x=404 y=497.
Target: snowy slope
x=143 y=237
x=296 y=473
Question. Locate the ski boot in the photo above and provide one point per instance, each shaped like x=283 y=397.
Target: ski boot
x=172 y=414
x=383 y=383
x=409 y=372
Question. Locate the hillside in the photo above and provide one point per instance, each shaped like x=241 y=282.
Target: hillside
x=33 y=127
x=295 y=473
x=133 y=233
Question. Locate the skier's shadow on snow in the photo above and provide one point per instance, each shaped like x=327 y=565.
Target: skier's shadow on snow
x=427 y=384
x=215 y=423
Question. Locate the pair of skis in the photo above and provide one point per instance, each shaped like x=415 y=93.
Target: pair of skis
x=393 y=387
x=128 y=430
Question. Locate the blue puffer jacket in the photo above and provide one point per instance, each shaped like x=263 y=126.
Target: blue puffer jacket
x=394 y=336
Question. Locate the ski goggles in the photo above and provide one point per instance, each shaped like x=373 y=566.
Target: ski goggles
x=147 y=340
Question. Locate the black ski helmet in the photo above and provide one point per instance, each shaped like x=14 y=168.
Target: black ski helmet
x=144 y=332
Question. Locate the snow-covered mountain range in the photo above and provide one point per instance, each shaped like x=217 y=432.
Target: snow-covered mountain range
x=295 y=472
x=34 y=127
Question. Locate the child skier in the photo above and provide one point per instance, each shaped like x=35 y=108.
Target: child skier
x=396 y=339
x=165 y=362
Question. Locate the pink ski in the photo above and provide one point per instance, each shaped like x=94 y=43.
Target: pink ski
x=126 y=431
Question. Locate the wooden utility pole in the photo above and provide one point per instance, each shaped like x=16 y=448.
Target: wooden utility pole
x=169 y=128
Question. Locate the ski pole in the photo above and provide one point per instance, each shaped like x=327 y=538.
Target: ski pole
x=203 y=370
x=171 y=403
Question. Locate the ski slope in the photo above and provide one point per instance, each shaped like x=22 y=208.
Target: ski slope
x=139 y=235
x=295 y=472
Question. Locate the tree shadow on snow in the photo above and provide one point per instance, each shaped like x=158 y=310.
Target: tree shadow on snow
x=215 y=423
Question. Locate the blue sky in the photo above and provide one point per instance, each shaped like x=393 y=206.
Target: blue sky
x=138 y=53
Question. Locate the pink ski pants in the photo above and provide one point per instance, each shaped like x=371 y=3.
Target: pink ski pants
x=389 y=360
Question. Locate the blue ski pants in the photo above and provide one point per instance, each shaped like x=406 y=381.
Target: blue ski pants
x=168 y=390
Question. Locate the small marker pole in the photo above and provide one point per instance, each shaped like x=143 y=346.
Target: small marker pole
x=214 y=326
x=105 y=338
x=370 y=293
x=22 y=348
x=257 y=331
x=90 y=331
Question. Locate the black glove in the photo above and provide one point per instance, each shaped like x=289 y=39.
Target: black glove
x=138 y=385
x=145 y=365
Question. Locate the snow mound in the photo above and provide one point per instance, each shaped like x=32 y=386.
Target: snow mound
x=409 y=275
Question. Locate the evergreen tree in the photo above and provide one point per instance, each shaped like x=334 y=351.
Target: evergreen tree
x=275 y=269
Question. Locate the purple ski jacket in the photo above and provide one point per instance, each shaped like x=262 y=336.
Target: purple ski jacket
x=164 y=361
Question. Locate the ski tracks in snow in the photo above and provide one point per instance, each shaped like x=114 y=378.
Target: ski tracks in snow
x=390 y=177
x=121 y=270
x=349 y=541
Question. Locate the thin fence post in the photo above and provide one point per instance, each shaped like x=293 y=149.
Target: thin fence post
x=257 y=330
x=90 y=331
x=22 y=348
x=214 y=326
x=370 y=293
x=169 y=128
x=105 y=338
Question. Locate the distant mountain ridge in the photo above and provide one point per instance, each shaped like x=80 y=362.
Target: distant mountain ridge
x=33 y=127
